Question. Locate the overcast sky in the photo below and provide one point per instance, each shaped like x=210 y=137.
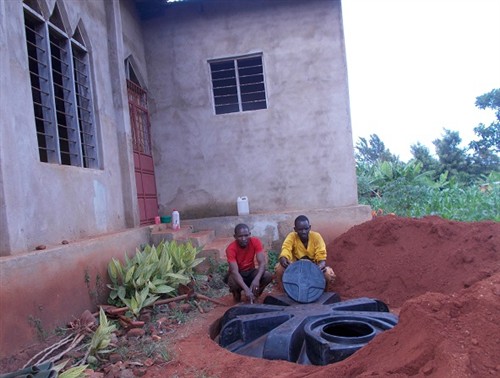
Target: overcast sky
x=417 y=66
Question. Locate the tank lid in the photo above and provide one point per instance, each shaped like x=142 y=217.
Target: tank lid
x=304 y=281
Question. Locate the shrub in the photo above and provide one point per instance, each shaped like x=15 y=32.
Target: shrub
x=153 y=272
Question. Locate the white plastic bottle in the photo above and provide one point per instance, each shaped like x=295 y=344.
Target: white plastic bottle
x=176 y=220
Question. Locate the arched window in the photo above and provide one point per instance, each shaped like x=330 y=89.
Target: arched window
x=61 y=91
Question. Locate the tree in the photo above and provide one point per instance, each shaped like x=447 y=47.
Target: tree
x=421 y=154
x=490 y=100
x=452 y=158
x=373 y=151
x=486 y=150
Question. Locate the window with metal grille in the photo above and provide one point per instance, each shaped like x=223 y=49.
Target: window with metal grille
x=238 y=84
x=61 y=92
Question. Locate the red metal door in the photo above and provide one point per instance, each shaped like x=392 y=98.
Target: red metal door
x=143 y=159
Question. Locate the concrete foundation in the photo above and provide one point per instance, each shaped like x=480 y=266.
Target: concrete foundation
x=42 y=290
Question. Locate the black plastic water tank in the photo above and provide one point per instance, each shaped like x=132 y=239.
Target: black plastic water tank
x=319 y=333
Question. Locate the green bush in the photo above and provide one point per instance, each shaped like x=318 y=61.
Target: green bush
x=153 y=272
x=406 y=191
x=272 y=260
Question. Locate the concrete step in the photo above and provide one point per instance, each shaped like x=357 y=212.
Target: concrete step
x=218 y=247
x=164 y=232
x=198 y=238
x=214 y=254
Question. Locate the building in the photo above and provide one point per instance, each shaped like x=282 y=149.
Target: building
x=116 y=111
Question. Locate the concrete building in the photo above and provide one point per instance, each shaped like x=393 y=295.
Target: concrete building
x=116 y=111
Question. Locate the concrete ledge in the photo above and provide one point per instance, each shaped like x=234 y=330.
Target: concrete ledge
x=42 y=290
x=272 y=228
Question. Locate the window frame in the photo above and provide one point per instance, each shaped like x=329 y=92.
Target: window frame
x=61 y=93
x=230 y=92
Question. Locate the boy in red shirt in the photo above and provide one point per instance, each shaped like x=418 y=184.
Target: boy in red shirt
x=242 y=273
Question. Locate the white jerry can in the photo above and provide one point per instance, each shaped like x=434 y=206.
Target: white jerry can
x=243 y=208
x=176 y=220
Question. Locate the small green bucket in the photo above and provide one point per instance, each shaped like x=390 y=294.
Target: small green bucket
x=166 y=219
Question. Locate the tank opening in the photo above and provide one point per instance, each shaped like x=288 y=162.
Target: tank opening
x=348 y=329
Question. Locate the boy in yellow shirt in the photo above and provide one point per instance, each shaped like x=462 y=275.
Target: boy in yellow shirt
x=303 y=244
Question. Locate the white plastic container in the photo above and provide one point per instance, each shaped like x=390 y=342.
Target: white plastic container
x=243 y=208
x=176 y=220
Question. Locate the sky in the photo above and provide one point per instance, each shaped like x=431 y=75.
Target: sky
x=416 y=67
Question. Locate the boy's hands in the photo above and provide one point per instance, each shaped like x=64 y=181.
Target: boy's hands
x=322 y=265
x=284 y=262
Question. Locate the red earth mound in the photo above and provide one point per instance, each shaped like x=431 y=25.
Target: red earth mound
x=441 y=277
x=395 y=259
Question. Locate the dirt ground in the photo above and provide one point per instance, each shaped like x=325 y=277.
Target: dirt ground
x=442 y=278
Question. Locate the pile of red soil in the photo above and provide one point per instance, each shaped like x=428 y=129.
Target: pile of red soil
x=441 y=277
x=395 y=259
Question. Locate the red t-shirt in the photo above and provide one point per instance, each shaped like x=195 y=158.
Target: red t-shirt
x=244 y=257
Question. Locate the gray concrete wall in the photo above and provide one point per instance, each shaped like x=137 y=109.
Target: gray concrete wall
x=42 y=290
x=133 y=41
x=296 y=154
x=47 y=203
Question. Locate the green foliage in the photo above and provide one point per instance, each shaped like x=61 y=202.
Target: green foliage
x=74 y=372
x=405 y=190
x=462 y=184
x=153 y=272
x=102 y=336
x=178 y=316
x=143 y=348
x=216 y=267
x=452 y=158
x=422 y=154
x=373 y=151
x=490 y=100
x=222 y=268
x=486 y=148
x=272 y=260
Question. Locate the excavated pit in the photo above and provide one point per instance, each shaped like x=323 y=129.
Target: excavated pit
x=303 y=326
